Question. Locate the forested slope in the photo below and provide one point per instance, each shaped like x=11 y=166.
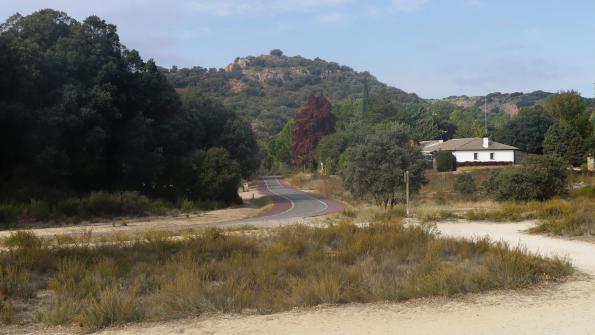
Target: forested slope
x=79 y=112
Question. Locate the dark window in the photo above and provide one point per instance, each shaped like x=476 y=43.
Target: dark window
x=492 y=156
x=475 y=154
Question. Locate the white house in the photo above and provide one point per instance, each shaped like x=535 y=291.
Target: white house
x=476 y=151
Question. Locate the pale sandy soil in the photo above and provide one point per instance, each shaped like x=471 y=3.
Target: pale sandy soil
x=135 y=225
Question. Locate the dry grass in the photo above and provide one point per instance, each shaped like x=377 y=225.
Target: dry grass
x=157 y=276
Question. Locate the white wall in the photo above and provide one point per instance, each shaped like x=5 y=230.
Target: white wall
x=484 y=156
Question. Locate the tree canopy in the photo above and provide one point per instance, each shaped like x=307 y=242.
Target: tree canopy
x=313 y=121
x=80 y=112
x=526 y=131
x=570 y=107
x=375 y=169
x=563 y=141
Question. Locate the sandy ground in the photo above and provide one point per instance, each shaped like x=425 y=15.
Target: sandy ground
x=568 y=308
x=130 y=226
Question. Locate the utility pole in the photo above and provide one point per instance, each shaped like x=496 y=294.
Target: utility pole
x=407 y=193
x=485 y=114
x=366 y=97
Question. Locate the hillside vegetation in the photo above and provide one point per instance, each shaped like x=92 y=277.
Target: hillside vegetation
x=510 y=103
x=269 y=89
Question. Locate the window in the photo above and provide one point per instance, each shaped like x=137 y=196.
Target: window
x=475 y=154
x=492 y=156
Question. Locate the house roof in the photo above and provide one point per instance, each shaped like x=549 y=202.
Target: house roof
x=467 y=144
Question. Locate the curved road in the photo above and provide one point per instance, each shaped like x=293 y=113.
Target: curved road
x=289 y=204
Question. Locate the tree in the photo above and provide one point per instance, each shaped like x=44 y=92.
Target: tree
x=374 y=170
x=279 y=148
x=563 y=141
x=276 y=52
x=79 y=112
x=332 y=146
x=313 y=121
x=208 y=176
x=566 y=106
x=445 y=161
x=526 y=131
x=467 y=123
x=570 y=107
x=538 y=178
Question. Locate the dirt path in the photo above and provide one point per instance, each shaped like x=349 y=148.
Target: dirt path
x=561 y=309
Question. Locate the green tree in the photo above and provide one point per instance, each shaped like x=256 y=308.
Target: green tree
x=445 y=161
x=526 y=131
x=279 y=148
x=208 y=176
x=467 y=123
x=79 y=112
x=331 y=148
x=563 y=141
x=570 y=107
x=374 y=170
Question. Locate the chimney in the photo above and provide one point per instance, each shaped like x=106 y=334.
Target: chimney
x=486 y=142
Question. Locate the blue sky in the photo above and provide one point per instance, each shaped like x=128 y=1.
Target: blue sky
x=434 y=48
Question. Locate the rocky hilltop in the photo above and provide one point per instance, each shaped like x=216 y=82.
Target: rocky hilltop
x=268 y=89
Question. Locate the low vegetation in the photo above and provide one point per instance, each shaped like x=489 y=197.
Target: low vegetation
x=98 y=205
x=537 y=178
x=156 y=277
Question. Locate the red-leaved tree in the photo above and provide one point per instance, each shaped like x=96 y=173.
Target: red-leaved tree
x=313 y=121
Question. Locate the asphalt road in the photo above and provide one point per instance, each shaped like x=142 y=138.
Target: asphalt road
x=290 y=204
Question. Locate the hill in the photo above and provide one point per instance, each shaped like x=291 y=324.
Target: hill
x=510 y=103
x=268 y=89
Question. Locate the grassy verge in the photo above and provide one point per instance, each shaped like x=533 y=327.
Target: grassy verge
x=579 y=220
x=156 y=277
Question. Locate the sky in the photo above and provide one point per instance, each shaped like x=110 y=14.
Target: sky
x=435 y=48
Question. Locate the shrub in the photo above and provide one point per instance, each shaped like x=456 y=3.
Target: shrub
x=9 y=215
x=104 y=204
x=15 y=282
x=134 y=204
x=465 y=184
x=538 y=178
x=39 y=210
x=22 y=240
x=72 y=207
x=7 y=314
x=446 y=161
